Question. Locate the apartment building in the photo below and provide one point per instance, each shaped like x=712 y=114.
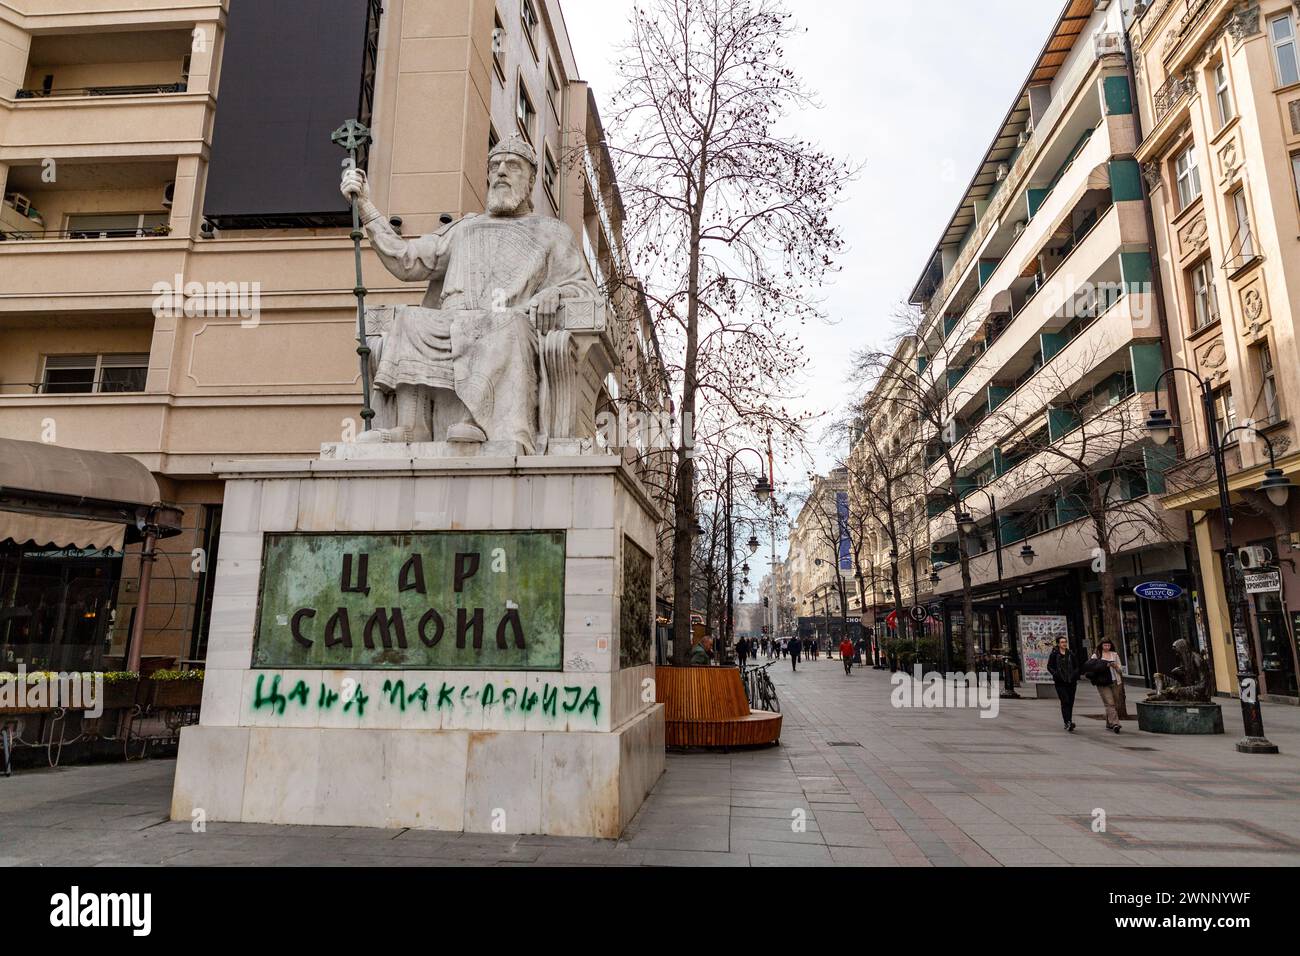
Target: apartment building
x=819 y=567
x=888 y=505
x=148 y=147
x=1218 y=88
x=1039 y=345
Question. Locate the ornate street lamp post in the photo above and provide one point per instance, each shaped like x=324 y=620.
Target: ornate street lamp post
x=762 y=491
x=1278 y=489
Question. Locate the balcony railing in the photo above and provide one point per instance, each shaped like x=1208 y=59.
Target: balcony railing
x=129 y=233
x=1175 y=89
x=143 y=89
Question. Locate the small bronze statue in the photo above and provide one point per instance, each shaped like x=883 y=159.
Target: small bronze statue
x=1188 y=682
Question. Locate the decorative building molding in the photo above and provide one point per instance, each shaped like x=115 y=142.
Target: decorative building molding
x=1229 y=160
x=1151 y=172
x=1192 y=237
x=1214 y=356
x=1244 y=22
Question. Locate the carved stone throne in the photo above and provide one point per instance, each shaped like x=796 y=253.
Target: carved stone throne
x=573 y=364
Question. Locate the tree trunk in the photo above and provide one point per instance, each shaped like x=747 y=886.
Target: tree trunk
x=685 y=454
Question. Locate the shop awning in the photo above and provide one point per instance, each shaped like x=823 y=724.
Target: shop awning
x=67 y=496
x=50 y=532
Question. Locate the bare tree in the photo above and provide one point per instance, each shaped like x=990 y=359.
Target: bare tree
x=922 y=376
x=1082 y=462
x=729 y=220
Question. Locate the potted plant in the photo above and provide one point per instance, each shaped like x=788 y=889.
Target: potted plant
x=120 y=689
x=176 y=688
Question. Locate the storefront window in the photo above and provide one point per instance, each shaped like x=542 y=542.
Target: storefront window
x=1131 y=622
x=1276 y=661
x=56 y=607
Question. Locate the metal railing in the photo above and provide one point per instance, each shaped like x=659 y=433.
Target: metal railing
x=1175 y=89
x=134 y=232
x=142 y=89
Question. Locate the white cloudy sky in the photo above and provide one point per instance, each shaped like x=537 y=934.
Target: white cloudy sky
x=913 y=89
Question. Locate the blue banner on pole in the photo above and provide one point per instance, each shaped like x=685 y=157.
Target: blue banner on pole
x=846 y=548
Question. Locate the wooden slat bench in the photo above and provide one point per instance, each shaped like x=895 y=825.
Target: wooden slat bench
x=706 y=707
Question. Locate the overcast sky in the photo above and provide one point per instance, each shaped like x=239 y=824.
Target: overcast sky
x=913 y=89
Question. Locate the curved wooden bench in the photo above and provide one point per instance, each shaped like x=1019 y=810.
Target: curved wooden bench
x=706 y=707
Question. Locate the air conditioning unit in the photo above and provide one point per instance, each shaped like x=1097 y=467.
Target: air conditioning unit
x=1255 y=557
x=169 y=195
x=1003 y=172
x=1109 y=44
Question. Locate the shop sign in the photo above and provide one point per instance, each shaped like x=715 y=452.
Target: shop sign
x=1263 y=582
x=1158 y=591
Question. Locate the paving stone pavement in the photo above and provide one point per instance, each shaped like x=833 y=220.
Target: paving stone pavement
x=855 y=782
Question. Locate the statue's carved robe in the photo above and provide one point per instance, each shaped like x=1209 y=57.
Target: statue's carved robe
x=472 y=334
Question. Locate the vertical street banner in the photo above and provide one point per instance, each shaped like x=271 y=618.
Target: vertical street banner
x=1038 y=634
x=846 y=549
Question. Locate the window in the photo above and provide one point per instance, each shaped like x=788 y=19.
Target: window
x=499 y=48
x=525 y=112
x=1225 y=411
x=553 y=89
x=1243 y=243
x=117 y=225
x=1205 y=303
x=550 y=178
x=528 y=16
x=1295 y=173
x=1268 y=383
x=66 y=374
x=1188 y=174
x=1223 y=95
x=1281 y=31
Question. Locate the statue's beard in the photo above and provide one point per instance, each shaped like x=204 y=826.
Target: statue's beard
x=506 y=199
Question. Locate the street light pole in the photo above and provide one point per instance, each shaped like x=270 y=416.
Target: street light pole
x=762 y=490
x=1277 y=487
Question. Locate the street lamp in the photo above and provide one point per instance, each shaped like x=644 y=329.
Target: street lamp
x=762 y=491
x=1027 y=554
x=1278 y=490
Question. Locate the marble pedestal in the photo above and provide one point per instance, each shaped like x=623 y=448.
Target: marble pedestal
x=579 y=762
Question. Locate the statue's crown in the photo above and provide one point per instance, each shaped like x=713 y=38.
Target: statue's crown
x=514 y=145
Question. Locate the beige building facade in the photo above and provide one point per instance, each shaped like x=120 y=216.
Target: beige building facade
x=107 y=112
x=1219 y=96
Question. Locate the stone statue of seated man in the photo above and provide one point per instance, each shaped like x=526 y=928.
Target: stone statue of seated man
x=466 y=365
x=1188 y=681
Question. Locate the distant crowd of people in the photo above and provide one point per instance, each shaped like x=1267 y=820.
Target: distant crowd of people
x=795 y=648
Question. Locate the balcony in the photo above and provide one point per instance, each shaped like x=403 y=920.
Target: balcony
x=1097 y=442
x=1067 y=545
x=123 y=93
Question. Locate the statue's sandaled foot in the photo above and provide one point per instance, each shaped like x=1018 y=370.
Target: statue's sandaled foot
x=466 y=432
x=382 y=436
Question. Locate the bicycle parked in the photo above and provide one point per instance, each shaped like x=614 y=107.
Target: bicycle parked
x=759 y=689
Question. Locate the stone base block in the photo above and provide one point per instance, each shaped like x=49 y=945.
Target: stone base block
x=1172 y=717
x=563 y=784
x=418 y=451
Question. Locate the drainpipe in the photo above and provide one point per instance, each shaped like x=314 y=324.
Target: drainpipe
x=1167 y=355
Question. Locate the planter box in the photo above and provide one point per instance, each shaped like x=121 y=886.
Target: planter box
x=120 y=694
x=176 y=693
x=1174 y=717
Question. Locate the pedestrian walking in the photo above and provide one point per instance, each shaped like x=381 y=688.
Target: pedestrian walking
x=742 y=650
x=1064 y=668
x=1111 y=656
x=1105 y=674
x=794 y=653
x=846 y=654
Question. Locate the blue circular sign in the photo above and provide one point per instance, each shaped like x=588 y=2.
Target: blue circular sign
x=1158 y=591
